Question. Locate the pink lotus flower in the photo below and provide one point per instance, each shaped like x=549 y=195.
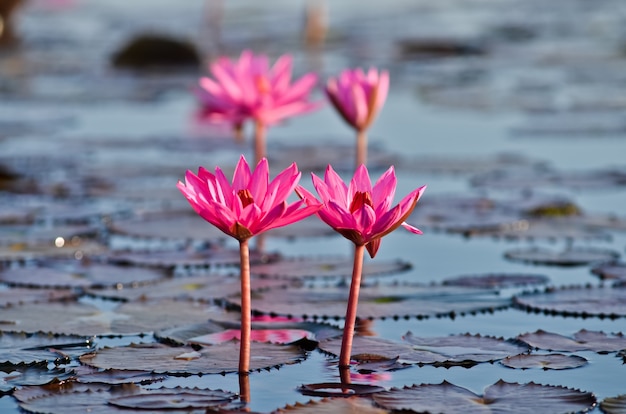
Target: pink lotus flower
x=358 y=96
x=250 y=89
x=251 y=204
x=360 y=212
x=363 y=215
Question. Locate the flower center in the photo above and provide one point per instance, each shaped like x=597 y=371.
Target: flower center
x=246 y=197
x=262 y=84
x=360 y=199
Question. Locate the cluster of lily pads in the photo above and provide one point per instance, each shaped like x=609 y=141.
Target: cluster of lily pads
x=110 y=285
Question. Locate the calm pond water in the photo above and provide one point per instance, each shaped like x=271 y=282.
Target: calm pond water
x=540 y=80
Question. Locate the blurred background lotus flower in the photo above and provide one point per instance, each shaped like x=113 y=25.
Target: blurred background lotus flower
x=359 y=97
x=250 y=205
x=362 y=213
x=249 y=89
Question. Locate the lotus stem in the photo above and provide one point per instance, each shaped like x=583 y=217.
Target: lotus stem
x=361 y=148
x=244 y=387
x=353 y=299
x=246 y=318
x=259 y=141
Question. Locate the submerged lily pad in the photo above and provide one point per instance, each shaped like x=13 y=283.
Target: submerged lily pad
x=582 y=340
x=77 y=274
x=334 y=389
x=577 y=301
x=333 y=405
x=22 y=348
x=502 y=397
x=497 y=280
x=326 y=267
x=378 y=301
x=575 y=256
x=216 y=359
x=544 y=361
x=83 y=319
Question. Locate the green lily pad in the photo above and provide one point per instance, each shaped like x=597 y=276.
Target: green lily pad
x=10 y=296
x=497 y=280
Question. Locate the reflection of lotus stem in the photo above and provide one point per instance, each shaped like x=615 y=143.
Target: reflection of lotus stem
x=259 y=141
x=361 y=148
x=244 y=351
x=353 y=299
x=244 y=387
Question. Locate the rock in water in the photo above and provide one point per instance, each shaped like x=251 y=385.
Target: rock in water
x=149 y=51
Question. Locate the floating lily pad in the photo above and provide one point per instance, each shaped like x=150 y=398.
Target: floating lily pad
x=318 y=156
x=379 y=301
x=16 y=296
x=461 y=348
x=207 y=258
x=170 y=225
x=213 y=332
x=450 y=165
x=74 y=398
x=22 y=348
x=80 y=274
x=216 y=359
x=544 y=361
x=367 y=350
x=177 y=398
x=502 y=397
x=611 y=271
x=76 y=249
x=614 y=405
x=497 y=280
x=82 y=319
x=333 y=405
x=57 y=236
x=582 y=340
x=512 y=179
x=87 y=375
x=20 y=376
x=577 y=301
x=326 y=267
x=576 y=256
x=542 y=229
x=206 y=288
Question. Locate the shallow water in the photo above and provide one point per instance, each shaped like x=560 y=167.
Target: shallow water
x=70 y=110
